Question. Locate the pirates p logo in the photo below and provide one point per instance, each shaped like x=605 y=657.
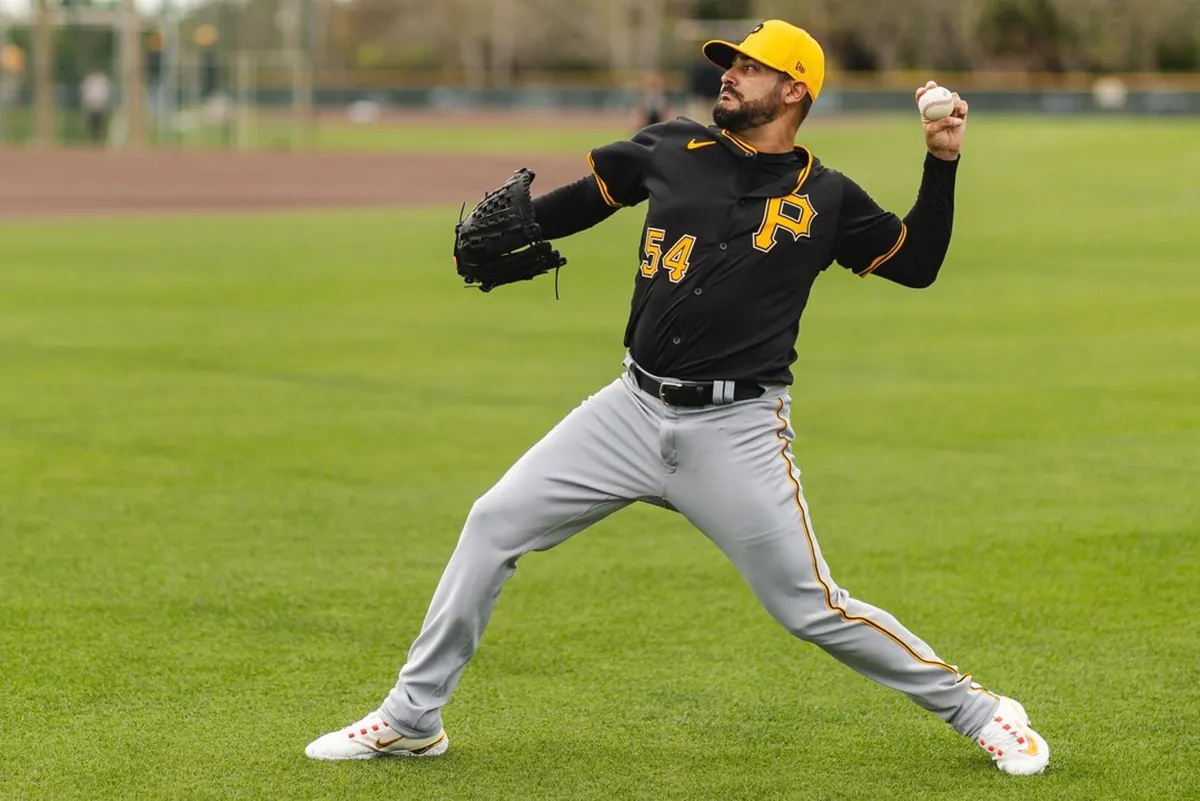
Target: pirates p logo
x=793 y=214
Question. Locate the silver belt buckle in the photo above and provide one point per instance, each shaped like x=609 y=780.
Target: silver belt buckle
x=664 y=385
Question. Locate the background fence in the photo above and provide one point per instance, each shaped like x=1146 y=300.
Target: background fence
x=205 y=71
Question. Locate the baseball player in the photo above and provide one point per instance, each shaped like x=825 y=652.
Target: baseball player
x=739 y=224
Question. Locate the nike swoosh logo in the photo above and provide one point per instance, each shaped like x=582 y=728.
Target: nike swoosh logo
x=694 y=145
x=380 y=744
x=1032 y=748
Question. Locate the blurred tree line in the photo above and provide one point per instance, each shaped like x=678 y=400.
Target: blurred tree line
x=494 y=42
x=496 y=39
x=1095 y=36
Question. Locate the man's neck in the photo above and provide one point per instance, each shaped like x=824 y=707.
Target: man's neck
x=770 y=138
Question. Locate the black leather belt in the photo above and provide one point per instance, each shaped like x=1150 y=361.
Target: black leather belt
x=694 y=393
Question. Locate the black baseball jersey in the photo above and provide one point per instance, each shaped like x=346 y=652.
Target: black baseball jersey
x=731 y=246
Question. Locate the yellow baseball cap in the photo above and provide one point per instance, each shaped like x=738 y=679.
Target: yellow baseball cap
x=779 y=45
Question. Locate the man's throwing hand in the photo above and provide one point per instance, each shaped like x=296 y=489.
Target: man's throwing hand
x=944 y=137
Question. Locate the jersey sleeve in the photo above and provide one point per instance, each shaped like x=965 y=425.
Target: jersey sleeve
x=620 y=168
x=868 y=235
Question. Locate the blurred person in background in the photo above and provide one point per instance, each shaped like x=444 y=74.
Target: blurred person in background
x=704 y=83
x=653 y=104
x=96 y=95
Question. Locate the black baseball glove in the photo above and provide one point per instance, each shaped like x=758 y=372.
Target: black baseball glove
x=500 y=242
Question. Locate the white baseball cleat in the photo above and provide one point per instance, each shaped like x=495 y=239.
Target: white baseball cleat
x=1014 y=747
x=372 y=737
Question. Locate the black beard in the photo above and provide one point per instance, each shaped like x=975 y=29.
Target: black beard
x=748 y=115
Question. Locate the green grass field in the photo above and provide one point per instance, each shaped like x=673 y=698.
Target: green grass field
x=235 y=453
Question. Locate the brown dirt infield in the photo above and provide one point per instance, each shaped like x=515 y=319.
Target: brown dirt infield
x=83 y=182
x=89 y=183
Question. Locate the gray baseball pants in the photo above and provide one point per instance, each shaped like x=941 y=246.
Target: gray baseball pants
x=730 y=471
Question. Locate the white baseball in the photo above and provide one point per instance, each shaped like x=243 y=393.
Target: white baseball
x=938 y=102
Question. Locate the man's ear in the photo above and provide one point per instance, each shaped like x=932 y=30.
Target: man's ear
x=796 y=92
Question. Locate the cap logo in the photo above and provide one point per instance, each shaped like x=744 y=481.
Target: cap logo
x=799 y=68
x=757 y=28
